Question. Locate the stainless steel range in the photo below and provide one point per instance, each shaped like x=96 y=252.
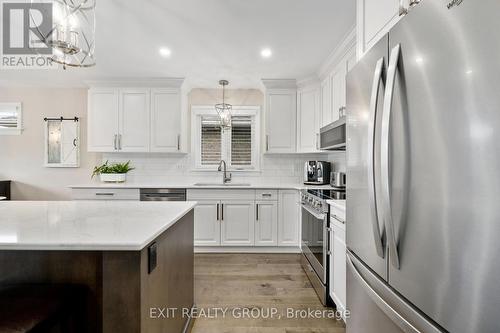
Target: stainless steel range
x=315 y=237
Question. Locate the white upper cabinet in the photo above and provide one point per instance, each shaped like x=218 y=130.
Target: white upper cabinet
x=103 y=109
x=326 y=102
x=338 y=90
x=308 y=119
x=134 y=120
x=374 y=19
x=334 y=87
x=281 y=116
x=165 y=120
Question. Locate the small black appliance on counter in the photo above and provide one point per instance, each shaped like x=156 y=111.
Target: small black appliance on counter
x=317 y=173
x=5 y=189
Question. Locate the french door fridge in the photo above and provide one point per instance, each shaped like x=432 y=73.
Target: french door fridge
x=423 y=163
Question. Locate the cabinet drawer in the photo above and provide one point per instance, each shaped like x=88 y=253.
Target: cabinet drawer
x=220 y=194
x=266 y=195
x=105 y=194
x=337 y=213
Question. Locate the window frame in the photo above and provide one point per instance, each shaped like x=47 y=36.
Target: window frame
x=18 y=130
x=198 y=111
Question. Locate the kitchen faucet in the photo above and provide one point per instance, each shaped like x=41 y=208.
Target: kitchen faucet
x=225 y=178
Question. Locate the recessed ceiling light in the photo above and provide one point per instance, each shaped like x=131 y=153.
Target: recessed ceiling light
x=165 y=52
x=266 y=53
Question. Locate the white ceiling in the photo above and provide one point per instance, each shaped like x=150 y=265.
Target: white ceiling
x=209 y=39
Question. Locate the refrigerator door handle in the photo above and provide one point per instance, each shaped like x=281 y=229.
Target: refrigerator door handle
x=384 y=152
x=377 y=77
x=395 y=317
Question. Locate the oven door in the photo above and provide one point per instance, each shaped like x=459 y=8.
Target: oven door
x=315 y=240
x=333 y=136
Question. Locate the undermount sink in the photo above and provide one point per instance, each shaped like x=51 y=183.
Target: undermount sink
x=221 y=184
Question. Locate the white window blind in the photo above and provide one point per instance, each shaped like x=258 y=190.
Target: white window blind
x=211 y=141
x=237 y=145
x=241 y=141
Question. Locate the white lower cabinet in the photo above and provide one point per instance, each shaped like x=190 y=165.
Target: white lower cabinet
x=237 y=223
x=288 y=218
x=206 y=223
x=266 y=223
x=245 y=218
x=338 y=264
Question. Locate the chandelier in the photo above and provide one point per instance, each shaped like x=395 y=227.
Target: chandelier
x=224 y=109
x=72 y=35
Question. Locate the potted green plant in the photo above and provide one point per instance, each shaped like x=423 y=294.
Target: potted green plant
x=112 y=173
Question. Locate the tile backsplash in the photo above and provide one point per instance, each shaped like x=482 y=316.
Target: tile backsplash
x=277 y=169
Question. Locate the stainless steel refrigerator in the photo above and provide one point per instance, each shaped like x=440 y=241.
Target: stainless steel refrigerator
x=423 y=161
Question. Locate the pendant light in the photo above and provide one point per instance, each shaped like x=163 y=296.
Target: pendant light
x=72 y=35
x=224 y=109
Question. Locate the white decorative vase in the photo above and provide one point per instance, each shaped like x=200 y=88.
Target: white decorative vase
x=113 y=177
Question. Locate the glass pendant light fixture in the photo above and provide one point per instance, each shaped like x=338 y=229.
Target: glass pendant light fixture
x=224 y=109
x=72 y=36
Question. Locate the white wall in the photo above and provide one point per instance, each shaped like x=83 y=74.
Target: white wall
x=22 y=156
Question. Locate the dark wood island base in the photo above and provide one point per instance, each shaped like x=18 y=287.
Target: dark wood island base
x=123 y=295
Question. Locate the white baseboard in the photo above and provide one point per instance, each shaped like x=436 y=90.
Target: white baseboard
x=246 y=249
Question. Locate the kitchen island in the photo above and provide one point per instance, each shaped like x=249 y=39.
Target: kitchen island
x=131 y=257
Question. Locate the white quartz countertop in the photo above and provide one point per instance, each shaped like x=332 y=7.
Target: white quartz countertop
x=86 y=225
x=339 y=204
x=191 y=185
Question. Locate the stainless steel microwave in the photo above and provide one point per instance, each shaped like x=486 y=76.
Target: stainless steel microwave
x=333 y=136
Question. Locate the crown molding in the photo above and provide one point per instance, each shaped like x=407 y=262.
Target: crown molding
x=279 y=83
x=156 y=82
x=348 y=42
x=311 y=81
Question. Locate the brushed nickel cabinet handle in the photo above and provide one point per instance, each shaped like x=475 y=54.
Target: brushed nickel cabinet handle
x=217 y=212
x=178 y=142
x=257 y=212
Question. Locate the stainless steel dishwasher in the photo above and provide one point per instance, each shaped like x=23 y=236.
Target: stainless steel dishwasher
x=163 y=194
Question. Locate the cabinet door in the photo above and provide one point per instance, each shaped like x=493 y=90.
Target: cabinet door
x=374 y=19
x=308 y=121
x=338 y=89
x=134 y=120
x=206 y=224
x=338 y=267
x=288 y=218
x=281 y=115
x=266 y=223
x=326 y=102
x=102 y=128
x=237 y=223
x=165 y=121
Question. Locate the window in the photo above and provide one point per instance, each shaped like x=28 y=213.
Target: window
x=10 y=118
x=238 y=146
x=211 y=141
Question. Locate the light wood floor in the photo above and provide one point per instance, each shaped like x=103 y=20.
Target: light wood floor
x=257 y=282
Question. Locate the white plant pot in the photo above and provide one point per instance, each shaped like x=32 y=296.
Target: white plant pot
x=113 y=177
